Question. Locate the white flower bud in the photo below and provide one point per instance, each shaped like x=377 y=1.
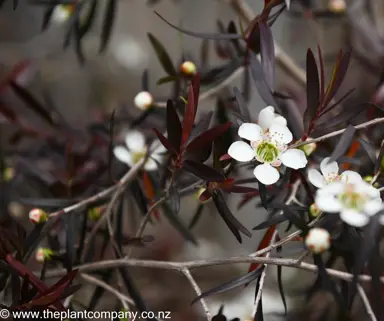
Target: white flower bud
x=37 y=216
x=318 y=240
x=337 y=6
x=43 y=254
x=188 y=68
x=308 y=149
x=8 y=174
x=314 y=210
x=61 y=13
x=143 y=100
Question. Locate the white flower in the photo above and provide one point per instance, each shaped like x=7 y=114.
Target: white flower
x=61 y=13
x=268 y=144
x=318 y=240
x=330 y=173
x=136 y=149
x=353 y=198
x=143 y=100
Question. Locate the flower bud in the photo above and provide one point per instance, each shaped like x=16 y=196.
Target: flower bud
x=337 y=6
x=61 y=13
x=188 y=68
x=38 y=216
x=369 y=179
x=308 y=149
x=143 y=100
x=314 y=210
x=318 y=240
x=43 y=254
x=8 y=174
x=95 y=213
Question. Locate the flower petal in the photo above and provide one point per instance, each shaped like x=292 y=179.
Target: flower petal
x=281 y=134
x=329 y=170
x=241 y=151
x=280 y=120
x=294 y=158
x=135 y=141
x=354 y=218
x=249 y=131
x=334 y=188
x=316 y=178
x=351 y=177
x=150 y=165
x=328 y=203
x=266 y=117
x=364 y=187
x=373 y=206
x=266 y=174
x=123 y=155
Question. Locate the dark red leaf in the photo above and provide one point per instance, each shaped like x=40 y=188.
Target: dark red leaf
x=164 y=141
x=206 y=195
x=196 y=89
x=338 y=76
x=322 y=78
x=233 y=224
x=32 y=102
x=189 y=116
x=174 y=129
x=7 y=113
x=313 y=90
x=343 y=144
x=207 y=137
x=203 y=171
x=162 y=55
x=267 y=54
x=265 y=242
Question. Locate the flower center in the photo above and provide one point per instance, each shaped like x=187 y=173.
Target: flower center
x=352 y=199
x=266 y=152
x=332 y=177
x=137 y=157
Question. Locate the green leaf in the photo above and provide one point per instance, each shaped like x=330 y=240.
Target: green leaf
x=162 y=55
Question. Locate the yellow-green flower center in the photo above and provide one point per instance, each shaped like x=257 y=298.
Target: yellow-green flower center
x=352 y=200
x=137 y=157
x=266 y=152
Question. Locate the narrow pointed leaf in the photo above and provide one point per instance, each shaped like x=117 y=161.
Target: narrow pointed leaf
x=189 y=116
x=174 y=199
x=313 y=89
x=207 y=137
x=166 y=79
x=166 y=143
x=228 y=217
x=261 y=85
x=174 y=129
x=230 y=285
x=90 y=19
x=267 y=54
x=203 y=171
x=213 y=36
x=162 y=55
x=369 y=148
x=343 y=144
x=31 y=102
x=246 y=117
x=196 y=216
x=108 y=23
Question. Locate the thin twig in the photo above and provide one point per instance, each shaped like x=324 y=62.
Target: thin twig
x=261 y=282
x=95 y=281
x=196 y=287
x=338 y=132
x=365 y=300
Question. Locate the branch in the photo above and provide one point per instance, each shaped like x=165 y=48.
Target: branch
x=196 y=287
x=339 y=132
x=365 y=300
x=179 y=266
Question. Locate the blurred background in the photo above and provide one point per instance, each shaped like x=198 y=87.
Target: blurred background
x=113 y=79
